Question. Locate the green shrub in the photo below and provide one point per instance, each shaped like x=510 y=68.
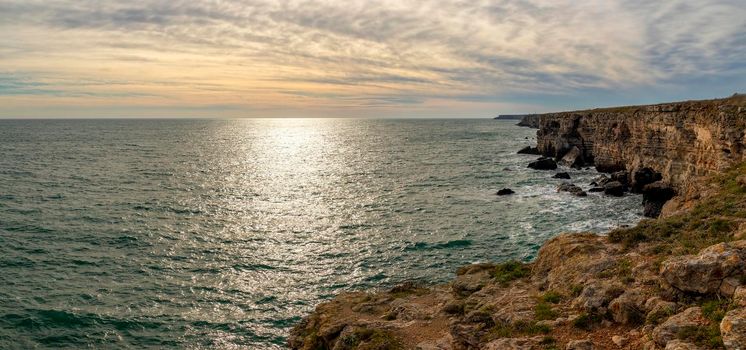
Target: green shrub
x=509 y=271
x=551 y=297
x=543 y=311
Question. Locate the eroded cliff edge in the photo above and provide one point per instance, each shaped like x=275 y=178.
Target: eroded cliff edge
x=672 y=283
x=683 y=141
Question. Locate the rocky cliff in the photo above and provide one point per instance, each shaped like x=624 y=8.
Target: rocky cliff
x=683 y=141
x=530 y=120
x=673 y=283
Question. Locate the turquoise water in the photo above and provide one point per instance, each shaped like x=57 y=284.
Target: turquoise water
x=224 y=233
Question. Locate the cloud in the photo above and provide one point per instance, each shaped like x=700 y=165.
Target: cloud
x=404 y=55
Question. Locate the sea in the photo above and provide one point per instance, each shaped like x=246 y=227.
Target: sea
x=223 y=234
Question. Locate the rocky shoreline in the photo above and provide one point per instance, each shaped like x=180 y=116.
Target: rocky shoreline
x=677 y=282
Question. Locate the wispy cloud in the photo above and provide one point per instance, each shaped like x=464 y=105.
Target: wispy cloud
x=354 y=57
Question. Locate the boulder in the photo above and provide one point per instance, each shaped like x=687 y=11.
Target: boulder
x=513 y=344
x=543 y=163
x=669 y=330
x=596 y=189
x=677 y=344
x=619 y=340
x=596 y=296
x=621 y=176
x=562 y=175
x=568 y=187
x=705 y=272
x=529 y=150
x=739 y=296
x=654 y=196
x=614 y=188
x=600 y=181
x=573 y=158
x=733 y=329
x=505 y=192
x=584 y=344
x=443 y=343
x=628 y=308
x=643 y=177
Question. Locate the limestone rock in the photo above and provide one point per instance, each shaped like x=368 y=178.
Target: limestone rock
x=739 y=296
x=733 y=329
x=596 y=296
x=580 y=345
x=600 y=181
x=643 y=177
x=619 y=340
x=512 y=344
x=529 y=150
x=443 y=343
x=614 y=188
x=694 y=140
x=677 y=344
x=621 y=177
x=668 y=331
x=654 y=196
x=573 y=158
x=571 y=259
x=543 y=163
x=573 y=189
x=628 y=308
x=705 y=272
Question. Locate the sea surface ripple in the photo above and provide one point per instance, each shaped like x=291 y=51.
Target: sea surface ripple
x=223 y=233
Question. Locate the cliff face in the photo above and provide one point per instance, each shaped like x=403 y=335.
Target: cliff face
x=684 y=141
x=530 y=120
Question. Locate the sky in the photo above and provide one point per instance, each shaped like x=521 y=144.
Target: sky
x=352 y=58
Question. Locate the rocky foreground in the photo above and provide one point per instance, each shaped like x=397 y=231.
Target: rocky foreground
x=677 y=282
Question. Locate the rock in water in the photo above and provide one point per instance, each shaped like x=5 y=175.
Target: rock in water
x=600 y=181
x=568 y=187
x=620 y=176
x=543 y=163
x=614 y=188
x=654 y=196
x=529 y=150
x=573 y=158
x=562 y=175
x=505 y=192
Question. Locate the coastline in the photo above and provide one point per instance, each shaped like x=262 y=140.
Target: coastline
x=671 y=283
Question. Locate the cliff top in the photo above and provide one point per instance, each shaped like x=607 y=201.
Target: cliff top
x=736 y=100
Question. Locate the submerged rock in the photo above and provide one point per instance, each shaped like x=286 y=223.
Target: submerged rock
x=543 y=163
x=600 y=181
x=529 y=150
x=620 y=176
x=562 y=175
x=614 y=188
x=505 y=192
x=568 y=187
